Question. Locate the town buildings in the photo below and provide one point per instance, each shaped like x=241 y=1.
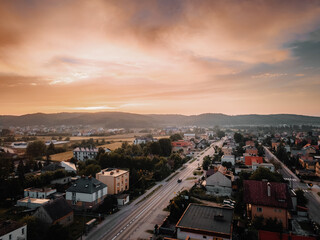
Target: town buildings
x=117 y=180
x=38 y=192
x=218 y=184
x=82 y=154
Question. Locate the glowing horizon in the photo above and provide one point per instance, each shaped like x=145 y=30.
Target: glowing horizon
x=169 y=56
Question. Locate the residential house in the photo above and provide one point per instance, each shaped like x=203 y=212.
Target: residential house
x=227 y=150
x=252 y=151
x=228 y=158
x=56 y=211
x=122 y=199
x=68 y=166
x=11 y=230
x=51 y=167
x=31 y=203
x=117 y=180
x=83 y=154
x=86 y=192
x=143 y=140
x=181 y=145
x=248 y=160
x=218 y=184
x=61 y=181
x=205 y=222
x=38 y=192
x=267 y=199
x=189 y=136
x=250 y=143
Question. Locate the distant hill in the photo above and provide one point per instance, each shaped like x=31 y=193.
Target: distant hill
x=130 y=120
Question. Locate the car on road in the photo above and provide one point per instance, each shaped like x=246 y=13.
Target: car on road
x=179 y=180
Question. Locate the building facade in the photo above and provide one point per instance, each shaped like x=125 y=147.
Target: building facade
x=117 y=180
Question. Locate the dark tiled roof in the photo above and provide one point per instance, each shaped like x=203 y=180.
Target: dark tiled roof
x=9 y=226
x=51 y=167
x=256 y=192
x=86 y=185
x=206 y=218
x=57 y=208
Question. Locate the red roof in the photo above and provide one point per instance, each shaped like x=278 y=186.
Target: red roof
x=256 y=192
x=266 y=235
x=181 y=143
x=251 y=159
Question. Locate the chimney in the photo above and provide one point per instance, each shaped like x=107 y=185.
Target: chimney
x=117 y=170
x=269 y=189
x=111 y=173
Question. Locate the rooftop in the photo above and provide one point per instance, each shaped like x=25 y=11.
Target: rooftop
x=112 y=172
x=256 y=192
x=86 y=185
x=203 y=218
x=34 y=200
x=57 y=208
x=32 y=189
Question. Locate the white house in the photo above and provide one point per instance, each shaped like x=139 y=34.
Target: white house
x=38 y=192
x=189 y=136
x=82 y=154
x=144 y=140
x=11 y=230
x=31 y=203
x=218 y=184
x=228 y=158
x=86 y=192
x=68 y=166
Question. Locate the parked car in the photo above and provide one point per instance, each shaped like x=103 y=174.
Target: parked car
x=179 y=180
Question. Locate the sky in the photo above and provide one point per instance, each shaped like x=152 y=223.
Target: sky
x=165 y=56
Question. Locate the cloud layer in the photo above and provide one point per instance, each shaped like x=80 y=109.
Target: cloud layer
x=165 y=56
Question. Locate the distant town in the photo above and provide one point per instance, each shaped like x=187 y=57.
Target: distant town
x=188 y=182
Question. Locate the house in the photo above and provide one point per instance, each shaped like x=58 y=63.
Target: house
x=83 y=154
x=68 y=166
x=267 y=199
x=117 y=180
x=228 y=158
x=31 y=203
x=205 y=222
x=189 y=136
x=122 y=199
x=61 y=181
x=227 y=150
x=250 y=143
x=275 y=145
x=218 y=184
x=266 y=235
x=181 y=145
x=51 y=167
x=38 y=192
x=143 y=140
x=86 y=192
x=56 y=211
x=11 y=230
x=248 y=160
x=269 y=166
x=252 y=151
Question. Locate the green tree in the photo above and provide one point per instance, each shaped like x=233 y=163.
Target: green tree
x=176 y=137
x=36 y=149
x=165 y=145
x=265 y=173
x=206 y=162
x=238 y=137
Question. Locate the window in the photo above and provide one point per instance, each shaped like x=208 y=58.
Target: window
x=259 y=209
x=22 y=231
x=10 y=237
x=204 y=237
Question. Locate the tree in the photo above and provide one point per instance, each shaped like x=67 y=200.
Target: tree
x=265 y=173
x=51 y=149
x=91 y=169
x=206 y=162
x=36 y=149
x=238 y=137
x=155 y=148
x=221 y=134
x=228 y=165
x=165 y=145
x=21 y=170
x=176 y=137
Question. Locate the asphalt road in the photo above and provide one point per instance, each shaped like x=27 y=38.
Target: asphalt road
x=295 y=183
x=124 y=223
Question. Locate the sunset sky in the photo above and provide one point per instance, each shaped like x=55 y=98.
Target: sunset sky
x=165 y=56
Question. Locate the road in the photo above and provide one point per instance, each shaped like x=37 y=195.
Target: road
x=124 y=224
x=295 y=183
